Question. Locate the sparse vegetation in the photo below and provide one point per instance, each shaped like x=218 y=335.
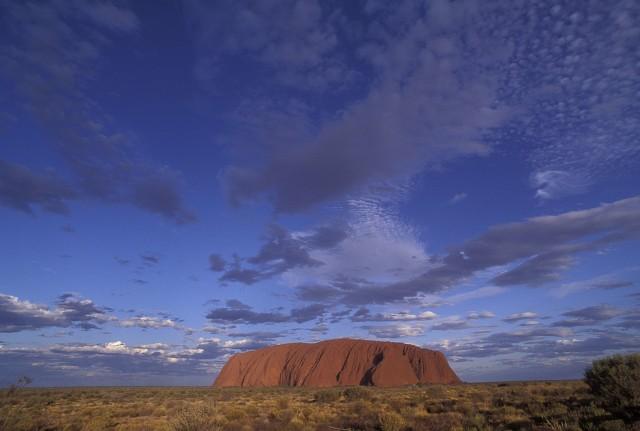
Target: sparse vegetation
x=535 y=406
x=21 y=382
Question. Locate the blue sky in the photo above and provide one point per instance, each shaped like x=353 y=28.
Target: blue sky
x=183 y=181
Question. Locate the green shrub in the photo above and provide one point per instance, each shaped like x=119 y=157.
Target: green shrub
x=615 y=383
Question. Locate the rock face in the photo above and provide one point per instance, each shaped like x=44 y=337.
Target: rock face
x=340 y=362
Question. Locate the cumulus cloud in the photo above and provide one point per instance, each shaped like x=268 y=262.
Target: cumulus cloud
x=72 y=311
x=20 y=315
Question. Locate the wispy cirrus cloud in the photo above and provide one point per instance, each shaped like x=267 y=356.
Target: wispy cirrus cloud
x=618 y=280
x=589 y=316
x=539 y=248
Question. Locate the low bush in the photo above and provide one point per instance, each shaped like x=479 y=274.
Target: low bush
x=391 y=421
x=327 y=396
x=197 y=418
x=353 y=393
x=615 y=383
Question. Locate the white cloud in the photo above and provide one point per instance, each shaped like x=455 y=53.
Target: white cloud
x=553 y=184
x=149 y=322
x=71 y=311
x=19 y=315
x=425 y=315
x=458 y=197
x=395 y=331
x=379 y=247
x=526 y=315
x=480 y=315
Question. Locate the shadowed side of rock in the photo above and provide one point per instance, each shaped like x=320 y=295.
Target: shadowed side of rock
x=342 y=362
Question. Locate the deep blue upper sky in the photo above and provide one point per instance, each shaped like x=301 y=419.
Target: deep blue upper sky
x=182 y=181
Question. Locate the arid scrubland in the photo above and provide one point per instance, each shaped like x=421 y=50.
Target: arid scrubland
x=559 y=405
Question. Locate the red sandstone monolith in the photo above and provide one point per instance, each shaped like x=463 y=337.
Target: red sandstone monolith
x=341 y=362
